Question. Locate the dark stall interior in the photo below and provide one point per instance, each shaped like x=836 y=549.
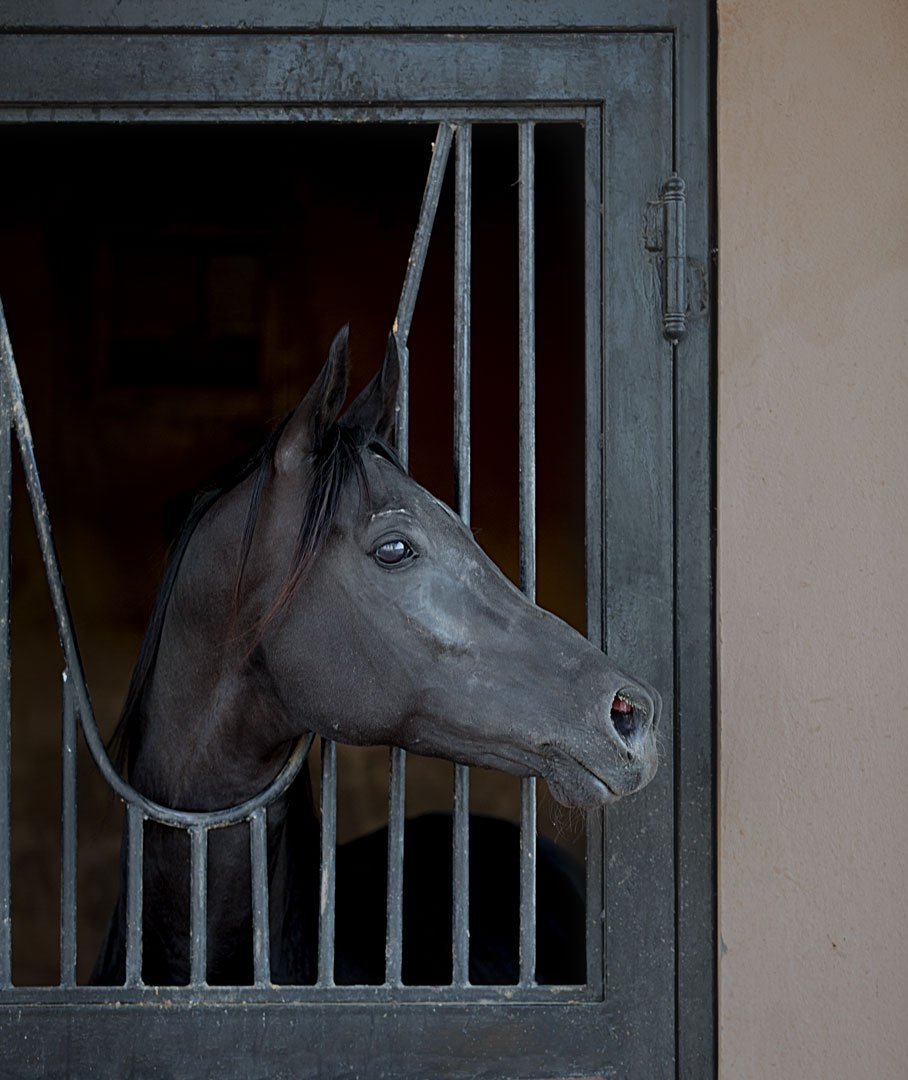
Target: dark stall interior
x=171 y=292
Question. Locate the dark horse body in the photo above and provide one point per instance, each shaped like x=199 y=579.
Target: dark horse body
x=326 y=591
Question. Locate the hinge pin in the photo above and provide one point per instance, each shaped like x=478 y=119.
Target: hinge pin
x=674 y=314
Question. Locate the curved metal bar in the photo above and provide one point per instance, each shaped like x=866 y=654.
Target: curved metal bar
x=186 y=819
x=413 y=278
x=416 y=263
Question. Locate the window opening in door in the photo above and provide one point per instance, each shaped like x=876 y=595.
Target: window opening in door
x=281 y=266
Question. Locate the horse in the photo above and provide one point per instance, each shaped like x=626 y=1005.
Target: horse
x=324 y=591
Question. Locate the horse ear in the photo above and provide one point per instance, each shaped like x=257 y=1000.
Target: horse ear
x=319 y=408
x=375 y=407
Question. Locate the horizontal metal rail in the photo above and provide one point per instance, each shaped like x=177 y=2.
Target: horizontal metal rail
x=229 y=112
x=229 y=995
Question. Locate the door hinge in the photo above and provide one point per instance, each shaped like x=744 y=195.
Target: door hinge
x=663 y=231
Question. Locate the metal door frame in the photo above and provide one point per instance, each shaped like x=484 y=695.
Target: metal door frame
x=57 y=61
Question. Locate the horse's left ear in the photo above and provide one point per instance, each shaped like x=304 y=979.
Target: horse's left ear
x=375 y=408
x=318 y=410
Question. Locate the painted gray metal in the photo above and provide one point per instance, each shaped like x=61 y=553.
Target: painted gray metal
x=463 y=194
x=258 y=851
x=135 y=836
x=643 y=96
x=637 y=575
x=526 y=406
x=328 y=824
x=674 y=315
x=6 y=502
x=332 y=71
x=68 y=840
x=664 y=234
x=329 y=15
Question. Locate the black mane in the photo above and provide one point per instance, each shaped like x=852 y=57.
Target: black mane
x=334 y=461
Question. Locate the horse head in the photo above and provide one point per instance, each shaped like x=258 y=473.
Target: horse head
x=329 y=592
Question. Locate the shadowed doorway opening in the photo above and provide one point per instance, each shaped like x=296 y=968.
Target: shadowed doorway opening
x=172 y=291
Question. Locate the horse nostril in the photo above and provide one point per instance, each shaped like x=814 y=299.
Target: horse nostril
x=623 y=719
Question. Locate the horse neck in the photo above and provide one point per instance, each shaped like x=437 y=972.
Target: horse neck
x=213 y=734
x=213 y=731
x=199 y=752
x=293 y=840
x=203 y=749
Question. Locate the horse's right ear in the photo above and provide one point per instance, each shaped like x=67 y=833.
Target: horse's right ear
x=318 y=410
x=375 y=408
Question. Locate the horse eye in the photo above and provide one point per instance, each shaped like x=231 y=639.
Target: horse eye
x=393 y=553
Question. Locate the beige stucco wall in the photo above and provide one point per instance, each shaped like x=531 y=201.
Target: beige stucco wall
x=813 y=538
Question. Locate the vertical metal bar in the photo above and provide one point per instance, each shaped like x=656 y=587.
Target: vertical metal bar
x=528 y=881
x=413 y=277
x=527 y=450
x=6 y=499
x=595 y=905
x=68 y=839
x=135 y=829
x=594 y=425
x=462 y=267
x=198 y=907
x=397 y=796
x=594 y=434
x=461 y=936
x=463 y=199
x=527 y=403
x=261 y=931
x=329 y=848
x=397 y=782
